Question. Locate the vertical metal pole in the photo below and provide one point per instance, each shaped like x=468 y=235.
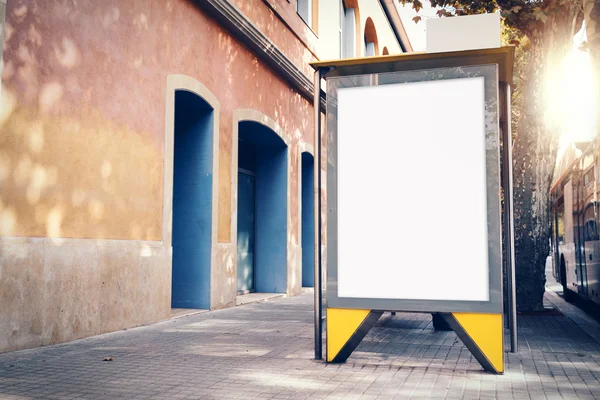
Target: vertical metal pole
x=507 y=183
x=317 y=173
x=504 y=117
x=513 y=292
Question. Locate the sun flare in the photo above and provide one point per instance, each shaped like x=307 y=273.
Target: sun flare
x=570 y=99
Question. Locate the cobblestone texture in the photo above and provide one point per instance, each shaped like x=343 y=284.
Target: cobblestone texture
x=264 y=351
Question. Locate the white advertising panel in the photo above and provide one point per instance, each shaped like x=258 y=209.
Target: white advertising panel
x=412 y=194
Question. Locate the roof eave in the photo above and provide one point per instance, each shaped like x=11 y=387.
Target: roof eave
x=397 y=26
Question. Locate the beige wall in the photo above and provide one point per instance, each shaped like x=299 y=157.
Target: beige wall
x=385 y=35
x=329 y=20
x=54 y=290
x=328 y=42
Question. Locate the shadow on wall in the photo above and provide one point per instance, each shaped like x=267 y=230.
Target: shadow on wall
x=67 y=178
x=65 y=153
x=65 y=169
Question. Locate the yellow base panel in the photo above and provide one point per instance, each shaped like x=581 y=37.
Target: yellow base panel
x=341 y=325
x=486 y=331
x=481 y=333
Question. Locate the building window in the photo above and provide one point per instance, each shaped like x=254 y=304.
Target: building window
x=304 y=10
x=341 y=28
x=369 y=49
x=347 y=31
x=370 y=39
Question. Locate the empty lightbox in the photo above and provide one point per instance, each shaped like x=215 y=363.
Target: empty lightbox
x=413 y=190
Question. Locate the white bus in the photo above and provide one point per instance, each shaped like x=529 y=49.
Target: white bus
x=575 y=218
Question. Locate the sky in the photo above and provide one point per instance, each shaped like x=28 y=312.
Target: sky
x=416 y=32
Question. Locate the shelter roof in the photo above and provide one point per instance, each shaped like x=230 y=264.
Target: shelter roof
x=503 y=56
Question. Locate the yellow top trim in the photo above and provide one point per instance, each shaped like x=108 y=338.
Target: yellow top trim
x=504 y=56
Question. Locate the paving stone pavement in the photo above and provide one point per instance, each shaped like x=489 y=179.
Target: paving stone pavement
x=264 y=351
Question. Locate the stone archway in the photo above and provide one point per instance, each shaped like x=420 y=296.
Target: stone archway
x=190 y=189
x=261 y=173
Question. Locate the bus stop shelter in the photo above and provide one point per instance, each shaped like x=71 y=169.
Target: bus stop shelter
x=416 y=196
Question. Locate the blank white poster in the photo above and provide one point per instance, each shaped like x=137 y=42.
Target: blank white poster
x=412 y=219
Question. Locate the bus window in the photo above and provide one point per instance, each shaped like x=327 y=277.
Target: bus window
x=553 y=227
x=590 y=231
x=560 y=237
x=589 y=177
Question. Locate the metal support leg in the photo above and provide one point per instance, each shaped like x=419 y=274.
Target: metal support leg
x=509 y=239
x=317 y=172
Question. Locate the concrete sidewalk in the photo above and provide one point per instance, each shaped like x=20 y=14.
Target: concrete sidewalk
x=264 y=351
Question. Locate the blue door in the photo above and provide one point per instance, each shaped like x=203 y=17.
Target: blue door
x=246 y=232
x=192 y=202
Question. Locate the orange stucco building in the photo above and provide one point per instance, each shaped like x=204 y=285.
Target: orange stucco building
x=158 y=154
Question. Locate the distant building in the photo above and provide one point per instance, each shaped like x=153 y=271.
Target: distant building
x=158 y=154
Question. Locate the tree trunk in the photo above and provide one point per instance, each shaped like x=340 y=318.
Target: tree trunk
x=534 y=157
x=534 y=154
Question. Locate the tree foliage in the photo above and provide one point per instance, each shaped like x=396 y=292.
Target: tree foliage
x=542 y=31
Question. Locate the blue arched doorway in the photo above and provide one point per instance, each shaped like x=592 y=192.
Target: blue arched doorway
x=261 y=210
x=308 y=220
x=192 y=201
